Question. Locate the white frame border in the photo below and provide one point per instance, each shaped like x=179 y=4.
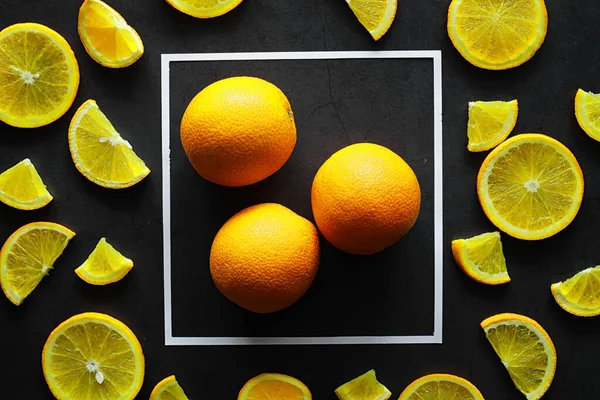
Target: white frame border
x=436 y=337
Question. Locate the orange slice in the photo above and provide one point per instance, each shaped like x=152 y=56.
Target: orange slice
x=497 y=34
x=28 y=256
x=441 y=386
x=106 y=36
x=93 y=356
x=526 y=351
x=168 y=389
x=274 y=386
x=530 y=186
x=39 y=75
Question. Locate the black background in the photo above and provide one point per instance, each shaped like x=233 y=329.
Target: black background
x=335 y=103
x=545 y=88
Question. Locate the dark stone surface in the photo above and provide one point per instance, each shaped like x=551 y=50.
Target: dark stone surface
x=387 y=102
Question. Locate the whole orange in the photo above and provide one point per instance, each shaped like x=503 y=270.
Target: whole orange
x=365 y=198
x=265 y=257
x=238 y=131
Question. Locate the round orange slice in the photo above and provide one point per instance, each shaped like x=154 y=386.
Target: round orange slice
x=93 y=356
x=497 y=34
x=441 y=386
x=274 y=386
x=530 y=186
x=39 y=80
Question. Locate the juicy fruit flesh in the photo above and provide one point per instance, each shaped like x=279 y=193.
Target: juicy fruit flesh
x=100 y=151
x=238 y=131
x=22 y=187
x=369 y=12
x=485 y=252
x=36 y=82
x=274 y=386
x=588 y=112
x=168 y=389
x=92 y=358
x=582 y=291
x=31 y=257
x=498 y=33
x=107 y=35
x=436 y=390
x=204 y=8
x=489 y=123
x=522 y=353
x=104 y=265
x=283 y=390
x=364 y=387
x=532 y=186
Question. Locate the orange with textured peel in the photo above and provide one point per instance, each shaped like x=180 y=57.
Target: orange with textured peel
x=265 y=257
x=365 y=198
x=238 y=131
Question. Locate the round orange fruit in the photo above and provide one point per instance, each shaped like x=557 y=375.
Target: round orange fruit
x=238 y=131
x=365 y=198
x=265 y=257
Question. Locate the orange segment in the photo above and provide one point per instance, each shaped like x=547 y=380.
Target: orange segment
x=107 y=37
x=376 y=16
x=274 y=387
x=168 y=389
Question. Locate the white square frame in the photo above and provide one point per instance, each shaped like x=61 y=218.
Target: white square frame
x=436 y=336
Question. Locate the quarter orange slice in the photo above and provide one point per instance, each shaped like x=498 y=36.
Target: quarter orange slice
x=481 y=258
x=364 y=387
x=580 y=294
x=587 y=112
x=490 y=122
x=22 y=187
x=168 y=389
x=104 y=265
x=376 y=16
